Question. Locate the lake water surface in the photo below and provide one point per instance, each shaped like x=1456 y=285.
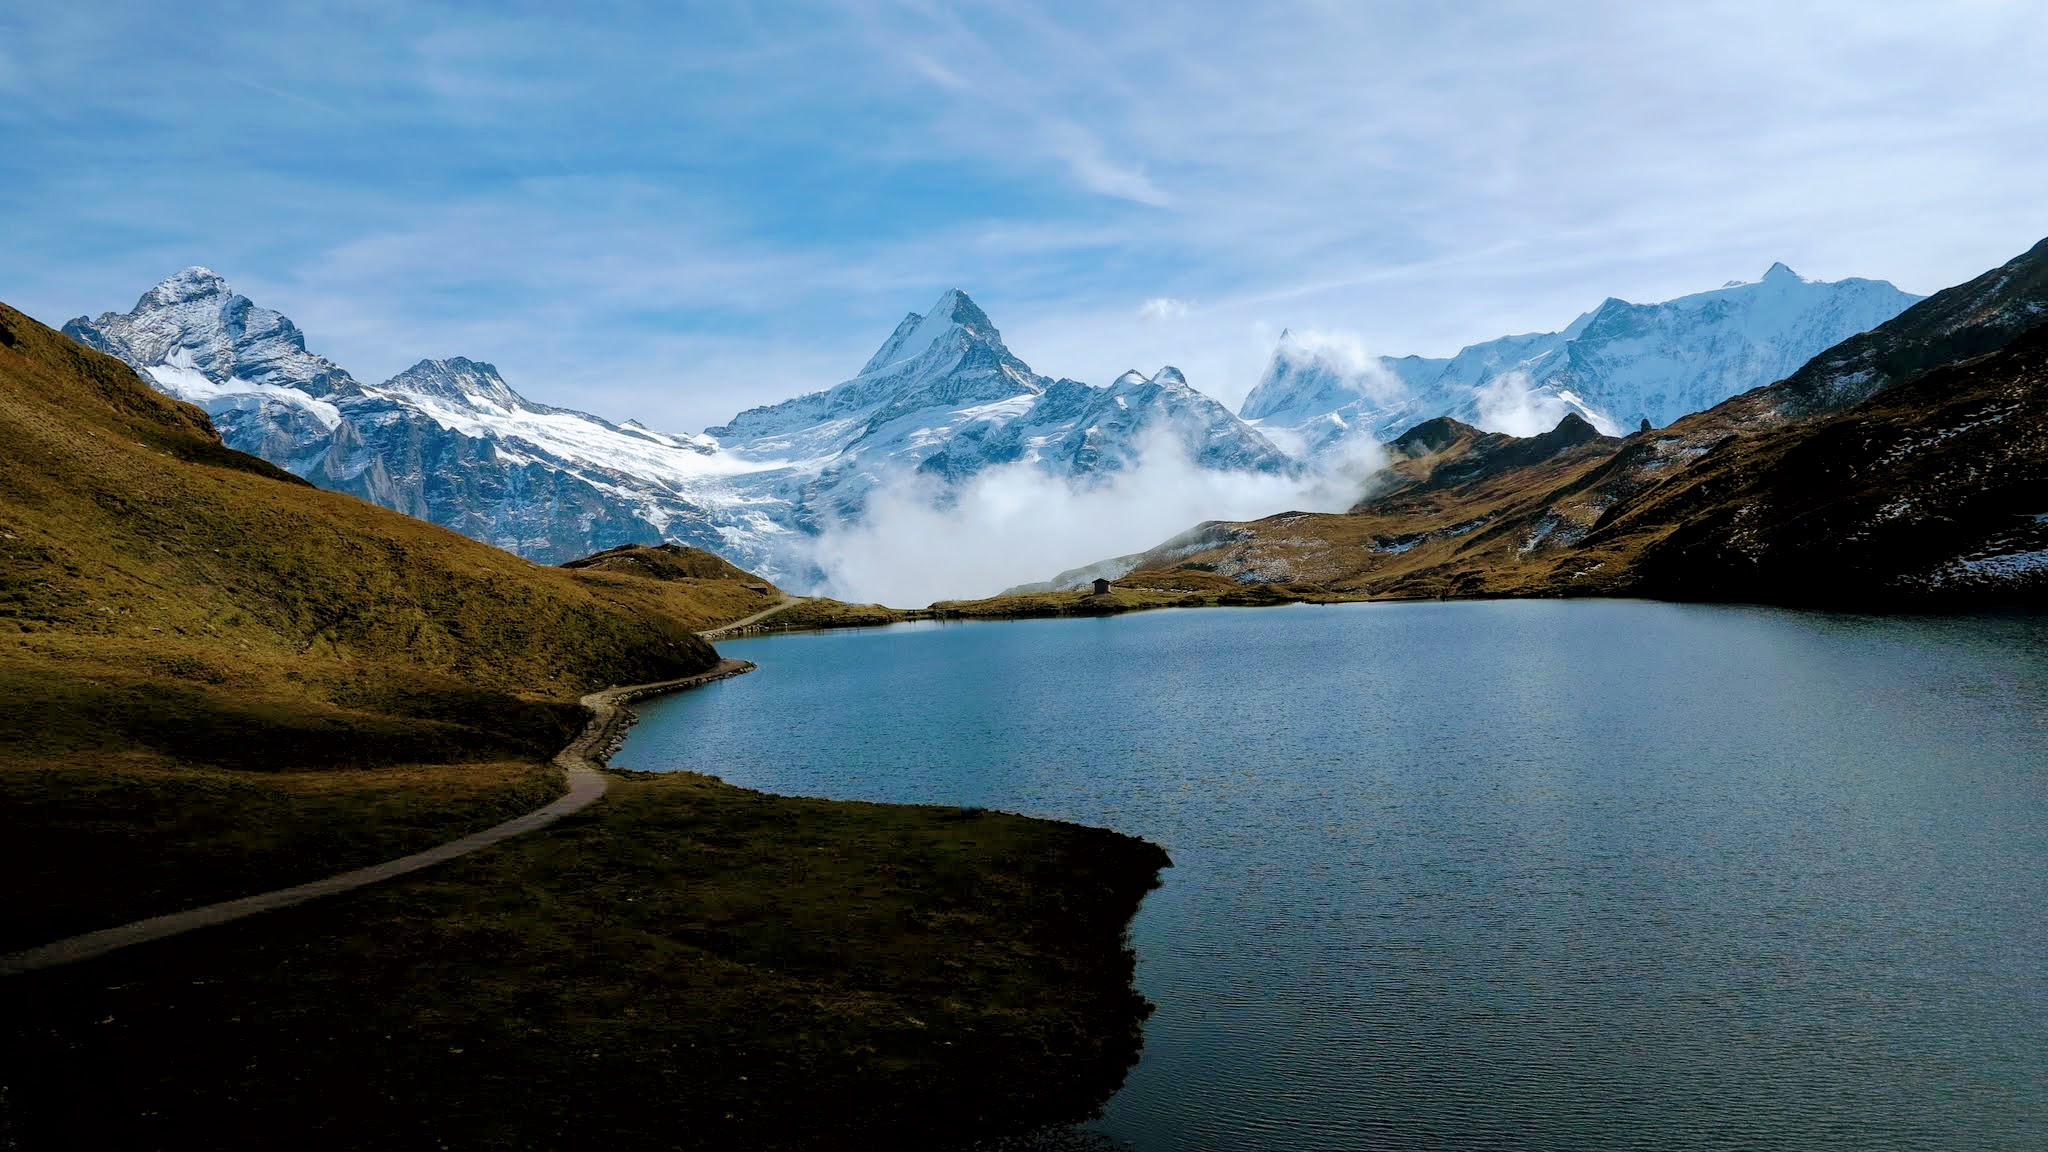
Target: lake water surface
x=1538 y=874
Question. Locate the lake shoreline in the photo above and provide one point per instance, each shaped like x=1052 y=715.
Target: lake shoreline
x=1437 y=863
x=823 y=615
x=910 y=973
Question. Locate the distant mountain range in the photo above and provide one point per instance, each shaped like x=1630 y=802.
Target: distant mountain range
x=446 y=440
x=1906 y=466
x=942 y=401
x=449 y=441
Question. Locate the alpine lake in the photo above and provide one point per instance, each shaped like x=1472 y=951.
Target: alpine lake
x=1504 y=874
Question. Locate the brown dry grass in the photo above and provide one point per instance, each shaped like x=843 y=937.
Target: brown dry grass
x=1418 y=540
x=689 y=965
x=706 y=590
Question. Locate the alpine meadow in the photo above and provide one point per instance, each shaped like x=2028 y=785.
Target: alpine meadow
x=868 y=575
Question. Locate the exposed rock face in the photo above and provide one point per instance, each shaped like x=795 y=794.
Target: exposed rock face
x=446 y=440
x=1970 y=319
x=1932 y=492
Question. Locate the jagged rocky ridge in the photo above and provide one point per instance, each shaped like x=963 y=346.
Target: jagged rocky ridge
x=445 y=440
x=941 y=402
x=944 y=399
x=449 y=441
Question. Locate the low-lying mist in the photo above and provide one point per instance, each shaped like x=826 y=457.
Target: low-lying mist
x=919 y=542
x=1511 y=403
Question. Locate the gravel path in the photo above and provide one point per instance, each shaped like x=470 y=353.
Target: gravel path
x=580 y=761
x=756 y=618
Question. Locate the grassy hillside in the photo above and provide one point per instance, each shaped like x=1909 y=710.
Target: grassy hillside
x=1934 y=492
x=711 y=590
x=1460 y=512
x=124 y=517
x=256 y=674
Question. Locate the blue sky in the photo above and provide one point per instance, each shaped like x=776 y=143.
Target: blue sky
x=674 y=211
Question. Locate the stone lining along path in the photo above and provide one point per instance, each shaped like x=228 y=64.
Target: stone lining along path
x=580 y=761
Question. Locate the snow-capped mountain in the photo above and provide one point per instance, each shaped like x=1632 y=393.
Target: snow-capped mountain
x=943 y=399
x=449 y=441
x=1616 y=366
x=445 y=440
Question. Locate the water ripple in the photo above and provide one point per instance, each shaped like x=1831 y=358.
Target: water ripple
x=1478 y=876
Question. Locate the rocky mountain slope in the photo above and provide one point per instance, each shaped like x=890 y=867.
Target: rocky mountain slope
x=1934 y=491
x=446 y=440
x=127 y=517
x=1615 y=366
x=1901 y=467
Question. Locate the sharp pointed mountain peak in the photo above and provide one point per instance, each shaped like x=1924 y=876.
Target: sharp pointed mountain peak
x=887 y=353
x=954 y=310
x=956 y=307
x=191 y=283
x=1171 y=377
x=1779 y=273
x=458 y=378
x=1130 y=378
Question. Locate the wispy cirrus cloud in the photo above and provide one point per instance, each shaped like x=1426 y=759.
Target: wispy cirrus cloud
x=673 y=213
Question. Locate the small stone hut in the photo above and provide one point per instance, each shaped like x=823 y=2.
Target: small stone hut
x=1101 y=586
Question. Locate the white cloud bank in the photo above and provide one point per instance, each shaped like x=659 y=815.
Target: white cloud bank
x=1341 y=353
x=1016 y=524
x=1510 y=403
x=1162 y=308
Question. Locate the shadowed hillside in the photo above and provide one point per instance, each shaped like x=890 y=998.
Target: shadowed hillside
x=1934 y=492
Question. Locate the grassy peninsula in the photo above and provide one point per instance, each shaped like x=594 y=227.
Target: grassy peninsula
x=690 y=965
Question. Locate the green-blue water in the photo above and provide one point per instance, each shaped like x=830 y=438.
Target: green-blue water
x=1559 y=875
